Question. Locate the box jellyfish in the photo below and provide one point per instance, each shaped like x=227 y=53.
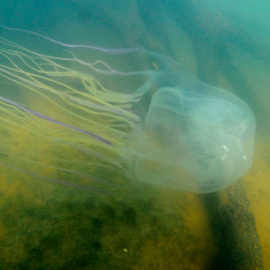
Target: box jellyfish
x=171 y=130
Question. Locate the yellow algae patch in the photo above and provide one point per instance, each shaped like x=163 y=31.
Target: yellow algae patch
x=188 y=243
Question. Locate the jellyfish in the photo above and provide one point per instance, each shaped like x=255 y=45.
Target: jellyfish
x=154 y=123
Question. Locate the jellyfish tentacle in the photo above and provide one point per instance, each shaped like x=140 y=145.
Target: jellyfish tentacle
x=47 y=118
x=102 y=49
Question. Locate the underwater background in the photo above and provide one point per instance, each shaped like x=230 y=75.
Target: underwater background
x=51 y=219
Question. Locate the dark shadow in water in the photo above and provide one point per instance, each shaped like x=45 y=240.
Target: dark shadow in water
x=212 y=39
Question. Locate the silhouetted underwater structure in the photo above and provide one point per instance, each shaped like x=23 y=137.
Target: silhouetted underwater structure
x=153 y=122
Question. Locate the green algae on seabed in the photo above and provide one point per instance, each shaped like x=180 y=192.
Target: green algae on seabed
x=56 y=227
x=73 y=235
